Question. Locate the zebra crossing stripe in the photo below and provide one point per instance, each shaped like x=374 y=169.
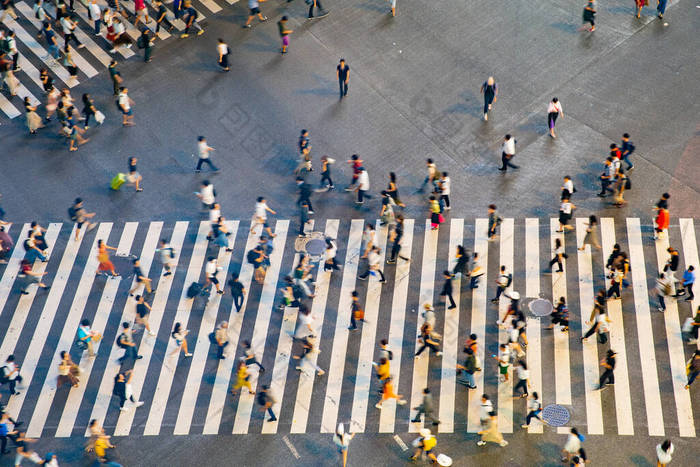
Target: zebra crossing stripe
x=48 y=391
x=368 y=340
x=82 y=12
x=9 y=109
x=690 y=251
x=336 y=367
x=203 y=345
x=23 y=92
x=262 y=321
x=318 y=309
x=387 y=417
x=532 y=291
x=104 y=309
x=163 y=34
x=12 y=267
x=562 y=363
x=170 y=361
x=684 y=410
x=505 y=388
x=426 y=293
x=594 y=409
x=211 y=5
x=645 y=334
x=225 y=367
x=126 y=418
x=623 y=401
x=448 y=379
x=478 y=324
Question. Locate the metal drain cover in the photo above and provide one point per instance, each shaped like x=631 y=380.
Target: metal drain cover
x=540 y=307
x=556 y=415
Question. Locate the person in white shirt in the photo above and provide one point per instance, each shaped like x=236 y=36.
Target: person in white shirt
x=508 y=153
x=68 y=26
x=534 y=408
x=203 y=150
x=374 y=259
x=222 y=50
x=167 y=256
x=523 y=378
x=95 y=15
x=362 y=186
x=125 y=103
x=260 y=216
x=429 y=315
x=12 y=374
x=211 y=270
x=207 y=194
x=329 y=262
x=369 y=238
x=664 y=450
x=445 y=183
x=565 y=211
x=485 y=409
x=553 y=111
x=567 y=189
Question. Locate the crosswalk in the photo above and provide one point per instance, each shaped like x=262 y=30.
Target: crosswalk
x=186 y=396
x=90 y=60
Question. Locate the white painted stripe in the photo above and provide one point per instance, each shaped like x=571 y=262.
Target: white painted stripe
x=19 y=317
x=478 y=324
x=262 y=321
x=12 y=266
x=178 y=23
x=363 y=378
x=425 y=295
x=203 y=345
x=80 y=62
x=81 y=11
x=8 y=108
x=318 y=309
x=70 y=327
x=505 y=388
x=163 y=33
x=448 y=380
x=532 y=291
x=340 y=338
x=684 y=410
x=126 y=418
x=104 y=308
x=225 y=368
x=562 y=373
x=623 y=400
x=30 y=70
x=690 y=253
x=645 y=334
x=167 y=372
x=41 y=331
x=23 y=92
x=211 y=5
x=594 y=410
x=396 y=326
x=29 y=40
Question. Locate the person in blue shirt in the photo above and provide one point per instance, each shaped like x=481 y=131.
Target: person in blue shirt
x=626 y=150
x=688 y=281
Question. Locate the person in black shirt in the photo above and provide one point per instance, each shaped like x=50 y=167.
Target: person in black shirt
x=627 y=150
x=115 y=76
x=237 y=291
x=162 y=16
x=447 y=289
x=305 y=191
x=609 y=364
x=395 y=237
x=140 y=278
x=343 y=74
x=662 y=203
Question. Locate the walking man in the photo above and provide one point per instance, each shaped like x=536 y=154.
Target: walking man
x=305 y=191
x=343 y=75
x=162 y=16
x=447 y=289
x=426 y=408
x=688 y=281
x=608 y=375
x=254 y=6
x=374 y=260
x=356 y=312
x=502 y=282
x=143 y=309
x=395 y=237
x=167 y=256
x=627 y=149
x=191 y=20
x=237 y=291
x=203 y=150
x=260 y=217
x=508 y=153
x=468 y=369
x=266 y=402
x=124 y=391
x=494 y=222
x=114 y=75
x=125 y=102
x=221 y=336
x=362 y=186
x=249 y=356
x=126 y=342
x=79 y=216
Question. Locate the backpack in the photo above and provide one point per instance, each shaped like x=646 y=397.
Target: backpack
x=602 y=338
x=510 y=280
x=172 y=252
x=251 y=256
x=140 y=43
x=3 y=375
x=120 y=343
x=194 y=289
x=391 y=354
x=72 y=213
x=628 y=183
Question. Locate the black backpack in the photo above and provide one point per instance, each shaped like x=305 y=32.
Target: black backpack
x=3 y=375
x=628 y=183
x=510 y=280
x=120 y=343
x=252 y=256
x=194 y=289
x=72 y=213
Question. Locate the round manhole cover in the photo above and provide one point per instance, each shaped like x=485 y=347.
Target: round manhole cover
x=540 y=307
x=315 y=247
x=556 y=415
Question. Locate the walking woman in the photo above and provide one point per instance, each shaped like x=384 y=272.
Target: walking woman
x=68 y=372
x=620 y=187
x=553 y=111
x=393 y=190
x=559 y=255
x=342 y=441
x=572 y=445
x=180 y=340
x=589 y=16
x=664 y=450
x=389 y=393
x=462 y=257
x=223 y=50
x=560 y=316
x=89 y=109
x=534 y=409
x=599 y=322
x=490 y=91
x=523 y=379
x=69 y=63
x=52 y=96
x=491 y=433
x=435 y=216
x=33 y=119
x=565 y=212
x=591 y=237
x=242 y=378
x=103 y=257
x=639 y=5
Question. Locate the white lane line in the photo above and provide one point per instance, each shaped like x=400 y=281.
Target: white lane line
x=9 y=109
x=336 y=367
x=126 y=418
x=225 y=368
x=448 y=380
x=532 y=291
x=368 y=341
x=81 y=11
x=211 y=5
x=690 y=253
x=562 y=372
x=684 y=409
x=70 y=327
x=425 y=296
x=623 y=399
x=478 y=323
x=387 y=417
x=262 y=321
x=104 y=308
x=182 y=316
x=645 y=334
x=318 y=309
x=162 y=34
x=594 y=410
x=203 y=345
x=505 y=388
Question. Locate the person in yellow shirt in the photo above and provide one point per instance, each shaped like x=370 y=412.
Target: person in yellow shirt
x=382 y=368
x=426 y=443
x=242 y=379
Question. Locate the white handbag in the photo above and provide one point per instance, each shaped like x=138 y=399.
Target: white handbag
x=99 y=117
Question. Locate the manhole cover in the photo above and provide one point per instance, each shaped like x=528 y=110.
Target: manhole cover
x=556 y=415
x=540 y=307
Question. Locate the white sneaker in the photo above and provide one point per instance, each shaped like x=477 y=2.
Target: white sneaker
x=378 y=405
x=139 y=403
x=504 y=443
x=188 y=355
x=151 y=333
x=124 y=409
x=439 y=354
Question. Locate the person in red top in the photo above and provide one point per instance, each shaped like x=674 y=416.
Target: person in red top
x=662 y=220
x=356 y=164
x=141 y=12
x=615 y=151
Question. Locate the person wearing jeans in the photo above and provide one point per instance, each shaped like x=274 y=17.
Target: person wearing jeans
x=322 y=12
x=343 y=74
x=221 y=336
x=468 y=369
x=608 y=375
x=534 y=407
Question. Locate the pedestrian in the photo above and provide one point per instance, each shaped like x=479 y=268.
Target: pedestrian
x=514 y=337
x=126 y=342
x=105 y=264
x=180 y=335
x=444 y=185
x=143 y=309
x=495 y=221
x=356 y=164
x=627 y=147
x=284 y=32
x=672 y=263
x=374 y=261
x=305 y=191
x=432 y=176
x=5 y=431
x=223 y=52
x=10 y=374
x=490 y=91
x=266 y=401
x=89 y=110
x=393 y=7
x=426 y=408
x=467 y=370
x=503 y=281
x=343 y=75
x=572 y=446
x=203 y=152
x=51 y=40
x=125 y=102
x=388 y=392
x=661 y=223
x=693 y=365
x=425 y=445
x=462 y=257
x=639 y=4
x=162 y=16
x=559 y=255
x=167 y=257
x=86 y=335
x=124 y=391
x=102 y=443
x=134 y=177
x=661 y=8
x=503 y=359
x=523 y=379
x=115 y=76
x=140 y=278
x=309 y=348
x=428 y=315
x=395 y=237
x=447 y=289
x=508 y=153
x=436 y=217
x=242 y=379
x=326 y=181
x=560 y=315
x=591 y=237
x=622 y=183
x=393 y=190
x=589 y=12
x=567 y=189
x=356 y=311
x=386 y=215
x=257 y=258
x=565 y=213
x=316 y=4
x=249 y=356
x=608 y=375
x=146 y=42
x=254 y=7
x=342 y=442
x=237 y=291
x=491 y=433
x=6 y=244
x=607 y=177
x=141 y=13
x=476 y=271
x=362 y=186
x=485 y=409
x=687 y=283
x=616 y=283
x=429 y=339
x=260 y=216
x=68 y=25
x=190 y=18
x=369 y=239
x=534 y=409
x=554 y=110
x=23 y=451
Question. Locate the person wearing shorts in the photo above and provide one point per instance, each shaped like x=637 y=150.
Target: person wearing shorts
x=211 y=270
x=80 y=217
x=284 y=33
x=125 y=102
x=134 y=176
x=254 y=6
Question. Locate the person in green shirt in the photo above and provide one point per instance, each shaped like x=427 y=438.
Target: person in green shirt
x=284 y=33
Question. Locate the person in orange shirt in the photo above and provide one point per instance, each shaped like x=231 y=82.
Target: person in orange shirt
x=388 y=393
x=662 y=221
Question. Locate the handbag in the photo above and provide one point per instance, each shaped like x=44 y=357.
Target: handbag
x=99 y=117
